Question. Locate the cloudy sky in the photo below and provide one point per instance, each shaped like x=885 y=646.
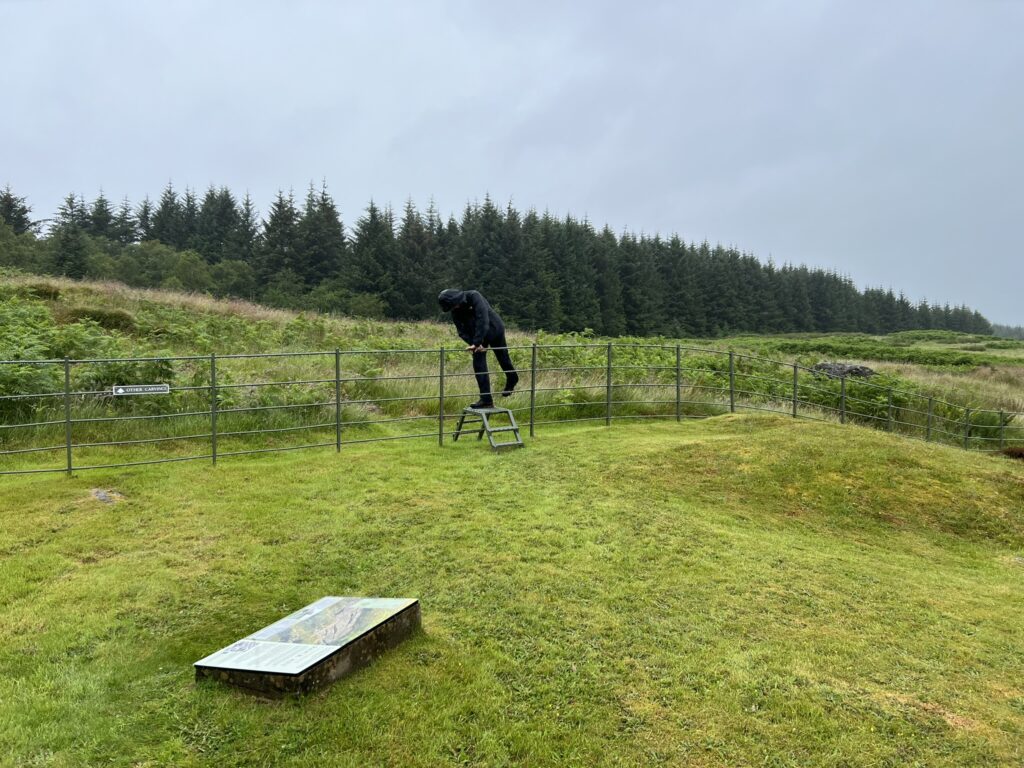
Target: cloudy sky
x=882 y=139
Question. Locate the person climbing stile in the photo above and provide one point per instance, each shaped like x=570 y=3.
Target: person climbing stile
x=481 y=328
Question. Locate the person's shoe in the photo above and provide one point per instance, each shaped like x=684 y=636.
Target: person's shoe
x=510 y=384
x=483 y=402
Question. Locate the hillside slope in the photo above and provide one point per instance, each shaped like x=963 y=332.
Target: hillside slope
x=933 y=385
x=742 y=590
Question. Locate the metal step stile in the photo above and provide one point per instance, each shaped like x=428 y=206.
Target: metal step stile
x=479 y=420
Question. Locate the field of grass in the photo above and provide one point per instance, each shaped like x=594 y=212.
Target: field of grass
x=742 y=590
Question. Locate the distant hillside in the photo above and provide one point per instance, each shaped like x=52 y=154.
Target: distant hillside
x=559 y=274
x=50 y=318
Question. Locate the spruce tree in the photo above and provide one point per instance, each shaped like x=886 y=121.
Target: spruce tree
x=144 y=220
x=438 y=265
x=540 y=298
x=280 y=243
x=515 y=287
x=796 y=300
x=572 y=244
x=216 y=222
x=245 y=241
x=411 y=294
x=14 y=212
x=367 y=271
x=684 y=301
x=189 y=237
x=68 y=236
x=166 y=222
x=124 y=229
x=72 y=213
x=321 y=239
x=490 y=262
x=101 y=217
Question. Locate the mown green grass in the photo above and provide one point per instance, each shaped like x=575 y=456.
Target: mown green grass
x=736 y=591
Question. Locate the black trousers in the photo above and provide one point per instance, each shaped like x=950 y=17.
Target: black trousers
x=483 y=379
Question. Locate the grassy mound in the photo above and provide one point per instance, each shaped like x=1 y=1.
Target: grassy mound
x=736 y=591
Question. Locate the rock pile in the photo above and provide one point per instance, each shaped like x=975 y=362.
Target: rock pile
x=841 y=370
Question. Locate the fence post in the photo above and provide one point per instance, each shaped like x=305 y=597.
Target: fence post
x=796 y=384
x=890 y=415
x=1002 y=431
x=608 y=388
x=928 y=428
x=67 y=412
x=967 y=426
x=533 y=386
x=213 y=407
x=337 y=399
x=842 y=400
x=679 y=381
x=440 y=398
x=732 y=382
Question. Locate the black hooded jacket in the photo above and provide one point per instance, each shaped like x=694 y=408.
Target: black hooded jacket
x=474 y=319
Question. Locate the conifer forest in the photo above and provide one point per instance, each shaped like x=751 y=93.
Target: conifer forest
x=558 y=273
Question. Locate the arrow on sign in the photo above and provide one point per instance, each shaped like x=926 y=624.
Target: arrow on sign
x=141 y=389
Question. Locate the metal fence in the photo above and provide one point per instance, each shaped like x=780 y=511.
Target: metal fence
x=78 y=414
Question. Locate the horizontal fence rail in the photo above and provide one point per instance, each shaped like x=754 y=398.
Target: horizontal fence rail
x=68 y=415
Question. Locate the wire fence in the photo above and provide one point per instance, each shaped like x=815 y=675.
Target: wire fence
x=75 y=415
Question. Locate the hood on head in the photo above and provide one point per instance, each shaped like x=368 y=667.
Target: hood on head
x=450 y=298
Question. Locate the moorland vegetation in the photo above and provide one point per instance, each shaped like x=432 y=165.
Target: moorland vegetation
x=969 y=384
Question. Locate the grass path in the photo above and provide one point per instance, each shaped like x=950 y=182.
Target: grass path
x=738 y=591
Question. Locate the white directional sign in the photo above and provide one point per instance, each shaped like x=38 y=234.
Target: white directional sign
x=141 y=389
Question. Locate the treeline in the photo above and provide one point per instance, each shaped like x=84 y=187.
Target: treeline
x=1008 y=331
x=540 y=271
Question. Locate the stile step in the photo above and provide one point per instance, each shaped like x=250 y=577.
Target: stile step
x=476 y=420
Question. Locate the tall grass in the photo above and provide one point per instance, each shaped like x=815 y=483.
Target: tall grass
x=289 y=401
x=389 y=383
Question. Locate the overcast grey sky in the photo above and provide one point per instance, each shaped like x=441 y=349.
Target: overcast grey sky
x=882 y=139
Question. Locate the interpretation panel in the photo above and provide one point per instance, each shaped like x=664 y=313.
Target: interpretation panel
x=313 y=646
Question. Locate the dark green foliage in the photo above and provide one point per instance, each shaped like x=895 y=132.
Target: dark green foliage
x=860 y=347
x=166 y=223
x=101 y=218
x=539 y=271
x=144 y=220
x=113 y=319
x=189 y=221
x=71 y=251
x=410 y=294
x=124 y=229
x=28 y=331
x=233 y=278
x=246 y=237
x=216 y=222
x=373 y=250
x=14 y=212
x=73 y=213
x=23 y=251
x=321 y=246
x=279 y=248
